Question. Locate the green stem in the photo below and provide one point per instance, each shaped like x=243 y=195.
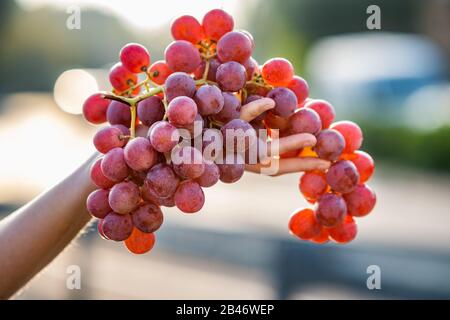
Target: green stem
x=133 y=121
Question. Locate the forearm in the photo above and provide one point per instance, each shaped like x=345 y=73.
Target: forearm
x=35 y=234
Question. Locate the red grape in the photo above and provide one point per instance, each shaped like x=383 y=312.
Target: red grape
x=231 y=108
x=139 y=154
x=135 y=57
x=97 y=176
x=345 y=232
x=325 y=111
x=121 y=78
x=187 y=28
x=299 y=86
x=189 y=197
x=303 y=224
x=360 y=201
x=163 y=136
x=94 y=108
x=114 y=166
x=163 y=180
x=285 y=101
x=313 y=184
x=108 y=138
x=181 y=111
x=216 y=23
x=251 y=67
x=322 y=237
x=117 y=227
x=124 y=197
x=147 y=218
x=343 y=176
x=159 y=71
x=119 y=113
x=277 y=72
x=234 y=46
x=231 y=76
x=331 y=210
x=150 y=110
x=97 y=203
x=352 y=134
x=188 y=162
x=209 y=99
x=139 y=242
x=182 y=56
x=238 y=135
x=210 y=176
x=363 y=162
x=305 y=121
x=330 y=144
x=179 y=84
x=232 y=168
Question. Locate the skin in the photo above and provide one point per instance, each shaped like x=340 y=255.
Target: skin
x=32 y=236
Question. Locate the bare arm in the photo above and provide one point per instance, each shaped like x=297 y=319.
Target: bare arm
x=35 y=234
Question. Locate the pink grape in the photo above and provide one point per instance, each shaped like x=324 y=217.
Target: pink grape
x=183 y=56
x=179 y=84
x=343 y=176
x=181 y=111
x=139 y=154
x=210 y=176
x=330 y=144
x=305 y=121
x=94 y=108
x=251 y=67
x=117 y=227
x=148 y=217
x=277 y=72
x=163 y=136
x=325 y=111
x=285 y=101
x=231 y=76
x=135 y=57
x=97 y=176
x=299 y=86
x=121 y=78
x=119 y=113
x=124 y=197
x=234 y=46
x=187 y=28
x=97 y=203
x=159 y=71
x=163 y=180
x=216 y=23
x=209 y=100
x=352 y=134
x=114 y=166
x=189 y=197
x=150 y=110
x=108 y=138
x=361 y=201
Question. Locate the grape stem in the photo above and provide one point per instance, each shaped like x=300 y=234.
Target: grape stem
x=133 y=121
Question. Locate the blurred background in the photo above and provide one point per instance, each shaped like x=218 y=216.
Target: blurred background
x=394 y=82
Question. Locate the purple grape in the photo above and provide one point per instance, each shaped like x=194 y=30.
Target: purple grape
x=343 y=176
x=181 y=111
x=305 y=121
x=117 y=227
x=188 y=162
x=163 y=180
x=239 y=135
x=150 y=110
x=285 y=101
x=231 y=76
x=209 y=100
x=119 y=113
x=124 y=197
x=210 y=176
x=231 y=108
x=179 y=84
x=330 y=144
x=232 y=168
x=97 y=203
x=189 y=197
x=148 y=217
x=163 y=136
x=139 y=154
x=114 y=166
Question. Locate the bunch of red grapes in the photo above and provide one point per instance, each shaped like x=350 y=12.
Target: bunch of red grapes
x=158 y=112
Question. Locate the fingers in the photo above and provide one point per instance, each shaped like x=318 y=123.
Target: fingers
x=253 y=109
x=291 y=165
x=291 y=143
